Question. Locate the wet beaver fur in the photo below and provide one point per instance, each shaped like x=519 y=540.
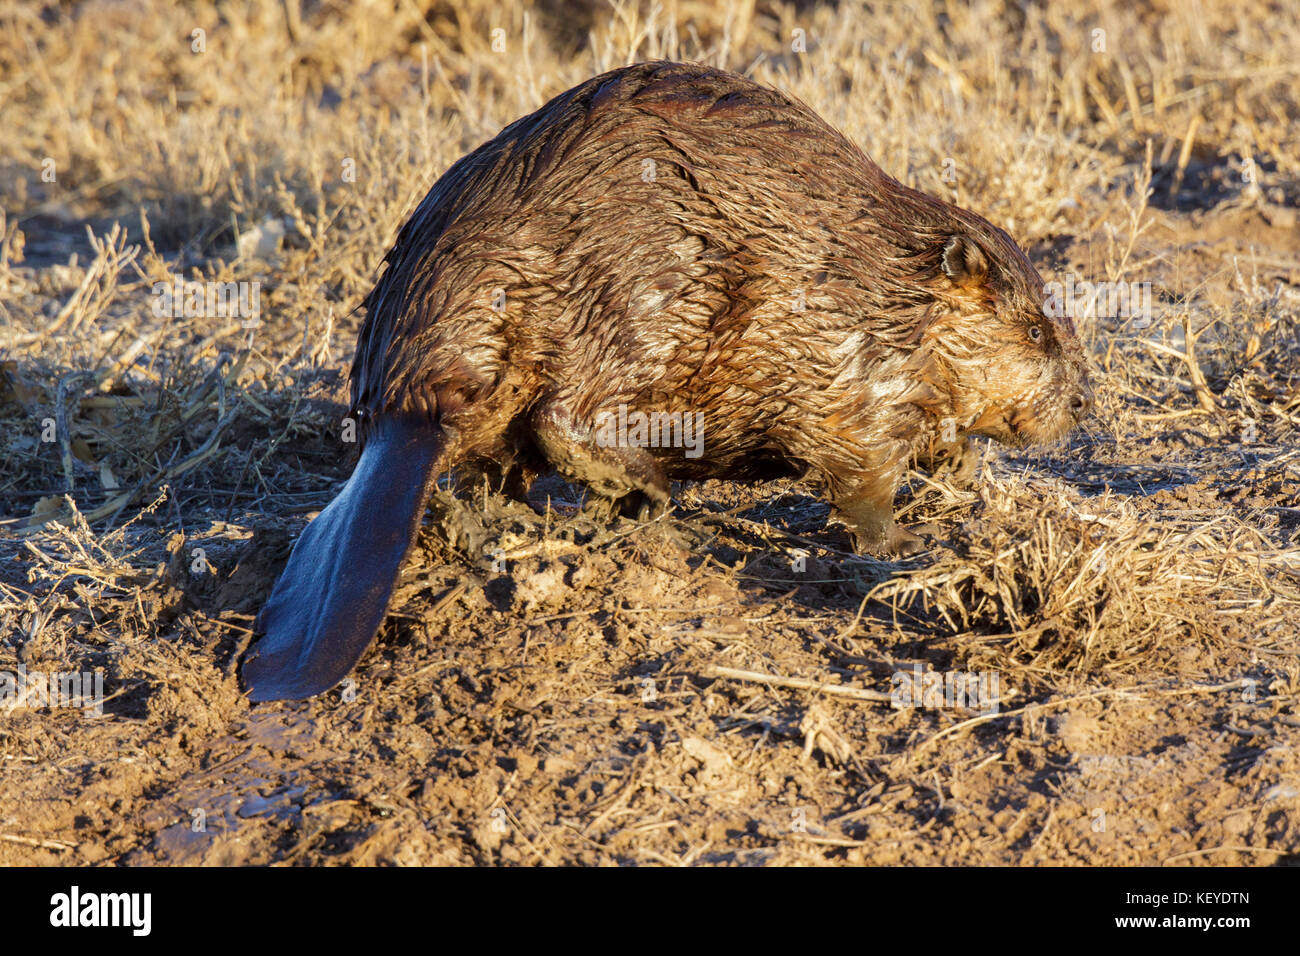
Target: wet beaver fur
x=674 y=240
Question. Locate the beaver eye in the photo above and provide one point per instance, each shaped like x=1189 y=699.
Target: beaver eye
x=1036 y=333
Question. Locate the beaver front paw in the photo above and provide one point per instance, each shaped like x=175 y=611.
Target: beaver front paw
x=958 y=462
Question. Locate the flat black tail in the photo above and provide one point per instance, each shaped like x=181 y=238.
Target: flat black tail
x=333 y=594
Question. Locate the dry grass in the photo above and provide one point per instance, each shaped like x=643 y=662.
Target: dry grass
x=1125 y=586
x=1046 y=583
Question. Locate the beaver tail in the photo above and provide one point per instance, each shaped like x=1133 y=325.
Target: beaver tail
x=333 y=594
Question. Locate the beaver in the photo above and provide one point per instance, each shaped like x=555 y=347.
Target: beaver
x=677 y=243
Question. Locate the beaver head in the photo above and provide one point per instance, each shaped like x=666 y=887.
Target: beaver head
x=1011 y=369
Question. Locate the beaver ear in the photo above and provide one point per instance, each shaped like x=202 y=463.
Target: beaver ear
x=964 y=262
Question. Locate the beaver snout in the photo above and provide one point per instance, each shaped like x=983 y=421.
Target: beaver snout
x=1081 y=403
